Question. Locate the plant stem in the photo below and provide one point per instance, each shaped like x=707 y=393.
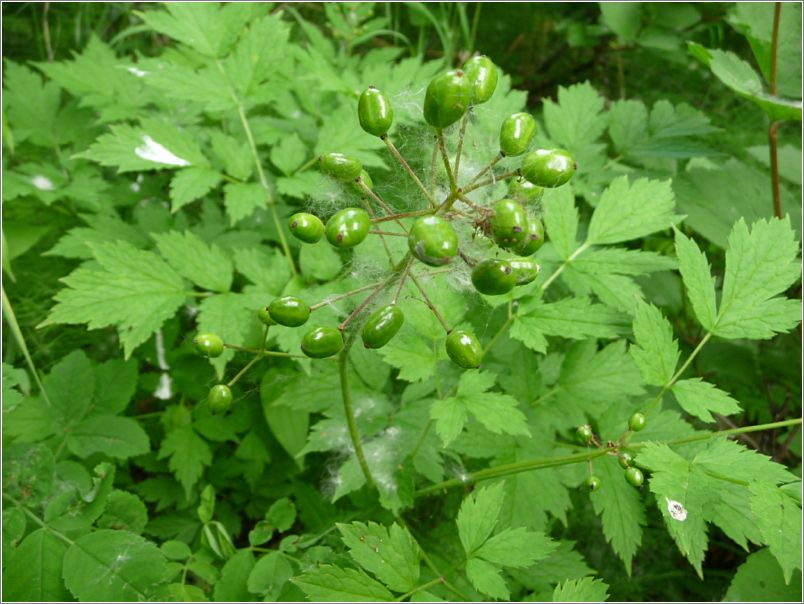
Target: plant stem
x=561 y=268
x=493 y=180
x=409 y=170
x=453 y=185
x=343 y=366
x=377 y=289
x=461 y=136
x=411 y=214
x=388 y=233
x=377 y=198
x=11 y=319
x=37 y=519
x=549 y=462
x=488 y=167
x=773 y=127
x=500 y=331
x=265 y=353
x=430 y=303
x=402 y=279
x=248 y=366
x=329 y=301
x=433 y=166
x=683 y=368
x=419 y=588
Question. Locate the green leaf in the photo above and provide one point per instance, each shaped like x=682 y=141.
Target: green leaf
x=265 y=267
x=77 y=242
x=655 y=351
x=135 y=291
x=115 y=384
x=497 y=412
x=333 y=584
x=235 y=155
x=779 y=519
x=586 y=589
x=561 y=219
x=760 y=265
x=701 y=399
x=118 y=437
x=259 y=53
x=269 y=575
x=770 y=587
x=625 y=20
x=132 y=568
x=698 y=281
x=124 y=512
x=320 y=261
x=188 y=454
x=478 y=516
x=620 y=508
x=233 y=584
x=516 y=547
x=242 y=199
x=190 y=184
x=486 y=578
x=390 y=554
x=289 y=154
x=620 y=261
x=628 y=122
x=281 y=514
x=576 y=120
x=205 y=265
x=72 y=385
x=415 y=357
x=28 y=472
x=632 y=210
x=33 y=571
x=33 y=104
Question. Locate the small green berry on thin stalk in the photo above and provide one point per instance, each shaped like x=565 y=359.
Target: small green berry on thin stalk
x=493 y=277
x=208 y=344
x=264 y=315
x=634 y=476
x=482 y=74
x=433 y=240
x=625 y=459
x=447 y=98
x=509 y=224
x=584 y=433
x=322 y=342
x=382 y=326
x=348 y=227
x=637 y=422
x=593 y=483
x=289 y=311
x=219 y=399
x=374 y=112
x=306 y=227
x=340 y=166
x=548 y=167
x=464 y=349
x=516 y=134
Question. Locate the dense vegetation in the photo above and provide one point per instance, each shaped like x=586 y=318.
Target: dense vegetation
x=312 y=301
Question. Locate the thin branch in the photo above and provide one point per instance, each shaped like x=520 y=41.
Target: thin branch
x=430 y=303
x=408 y=169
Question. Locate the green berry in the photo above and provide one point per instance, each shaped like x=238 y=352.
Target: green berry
x=381 y=326
x=634 y=476
x=340 y=166
x=509 y=224
x=493 y=277
x=464 y=349
x=322 y=342
x=625 y=459
x=289 y=311
x=348 y=227
x=637 y=422
x=534 y=239
x=584 y=433
x=593 y=483
x=208 y=344
x=548 y=168
x=366 y=178
x=482 y=74
x=264 y=315
x=219 y=398
x=433 y=240
x=306 y=227
x=526 y=192
x=525 y=270
x=447 y=99
x=516 y=134
x=374 y=111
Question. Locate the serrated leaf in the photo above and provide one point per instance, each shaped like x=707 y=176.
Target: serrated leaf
x=269 y=575
x=124 y=511
x=478 y=516
x=390 y=554
x=118 y=437
x=205 y=265
x=188 y=454
x=698 y=281
x=701 y=399
x=33 y=571
x=655 y=351
x=486 y=578
x=628 y=121
x=760 y=265
x=190 y=184
x=132 y=568
x=744 y=586
x=115 y=384
x=320 y=261
x=232 y=586
x=333 y=584
x=621 y=261
x=620 y=509
x=242 y=199
x=629 y=211
x=561 y=219
x=289 y=154
x=779 y=519
x=586 y=589
x=235 y=155
x=516 y=547
x=33 y=104
x=414 y=356
x=576 y=120
x=266 y=268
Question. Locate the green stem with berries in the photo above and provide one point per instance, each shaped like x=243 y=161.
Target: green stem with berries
x=408 y=169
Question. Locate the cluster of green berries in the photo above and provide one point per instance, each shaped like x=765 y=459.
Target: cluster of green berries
x=633 y=475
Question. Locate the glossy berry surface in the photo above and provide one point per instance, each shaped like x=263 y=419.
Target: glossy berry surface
x=526 y=192
x=493 y=277
x=340 y=166
x=366 y=178
x=625 y=459
x=289 y=311
x=433 y=240
x=464 y=349
x=548 y=167
x=634 y=476
x=264 y=315
x=593 y=483
x=322 y=342
x=306 y=227
x=509 y=223
x=208 y=344
x=483 y=74
x=447 y=99
x=219 y=398
x=584 y=433
x=374 y=112
x=525 y=270
x=382 y=325
x=516 y=134
x=348 y=227
x=534 y=239
x=637 y=422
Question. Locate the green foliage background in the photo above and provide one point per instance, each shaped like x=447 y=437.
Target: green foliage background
x=673 y=290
